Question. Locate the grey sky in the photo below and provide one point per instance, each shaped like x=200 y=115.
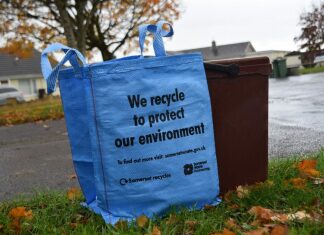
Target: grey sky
x=268 y=24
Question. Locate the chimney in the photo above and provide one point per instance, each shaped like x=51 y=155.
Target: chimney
x=214 y=48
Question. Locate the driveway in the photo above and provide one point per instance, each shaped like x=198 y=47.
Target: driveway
x=36 y=156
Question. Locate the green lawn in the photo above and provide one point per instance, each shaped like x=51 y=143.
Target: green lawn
x=44 y=109
x=311 y=70
x=54 y=213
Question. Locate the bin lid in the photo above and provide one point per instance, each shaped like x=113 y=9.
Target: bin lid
x=248 y=66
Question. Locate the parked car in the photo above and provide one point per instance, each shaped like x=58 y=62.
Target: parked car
x=10 y=93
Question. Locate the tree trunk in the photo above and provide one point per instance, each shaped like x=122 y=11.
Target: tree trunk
x=106 y=55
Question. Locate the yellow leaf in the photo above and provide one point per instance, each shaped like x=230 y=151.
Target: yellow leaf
x=242 y=192
x=225 y=232
x=20 y=212
x=74 y=193
x=155 y=230
x=311 y=172
x=298 y=182
x=141 y=221
x=279 y=230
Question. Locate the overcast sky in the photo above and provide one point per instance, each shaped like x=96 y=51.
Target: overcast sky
x=268 y=24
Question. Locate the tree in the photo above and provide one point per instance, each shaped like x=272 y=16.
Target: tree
x=312 y=31
x=105 y=25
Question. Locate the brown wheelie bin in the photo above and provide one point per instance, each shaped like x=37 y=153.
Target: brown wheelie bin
x=239 y=100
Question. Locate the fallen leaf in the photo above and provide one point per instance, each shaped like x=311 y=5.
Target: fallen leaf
x=231 y=224
x=228 y=196
x=1 y=227
x=279 y=230
x=225 y=232
x=307 y=164
x=20 y=212
x=298 y=182
x=266 y=215
x=208 y=207
x=311 y=172
x=121 y=224
x=141 y=221
x=255 y=223
x=74 y=193
x=155 y=230
x=261 y=213
x=317 y=181
x=15 y=224
x=299 y=215
x=242 y=192
x=172 y=219
x=73 y=225
x=259 y=231
x=191 y=224
x=234 y=206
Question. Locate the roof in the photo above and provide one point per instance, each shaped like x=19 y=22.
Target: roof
x=293 y=53
x=12 y=66
x=233 y=50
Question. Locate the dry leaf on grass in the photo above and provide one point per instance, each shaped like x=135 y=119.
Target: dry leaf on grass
x=231 y=224
x=155 y=230
x=20 y=212
x=318 y=181
x=299 y=215
x=191 y=224
x=225 y=232
x=172 y=219
x=121 y=224
x=279 y=230
x=15 y=225
x=142 y=221
x=266 y=215
x=242 y=191
x=208 y=207
x=259 y=231
x=73 y=225
x=307 y=168
x=311 y=172
x=74 y=193
x=298 y=182
x=307 y=164
x=1 y=227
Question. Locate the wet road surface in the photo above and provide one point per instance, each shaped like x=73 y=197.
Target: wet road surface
x=36 y=156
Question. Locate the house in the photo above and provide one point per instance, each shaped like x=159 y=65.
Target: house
x=219 y=52
x=23 y=74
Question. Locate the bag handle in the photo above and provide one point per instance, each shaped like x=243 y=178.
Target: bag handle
x=50 y=74
x=158 y=33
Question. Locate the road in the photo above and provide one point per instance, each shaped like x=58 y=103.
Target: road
x=36 y=156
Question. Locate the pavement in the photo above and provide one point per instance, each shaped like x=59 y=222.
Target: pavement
x=36 y=156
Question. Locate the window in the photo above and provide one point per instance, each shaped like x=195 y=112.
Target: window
x=4 y=82
x=7 y=89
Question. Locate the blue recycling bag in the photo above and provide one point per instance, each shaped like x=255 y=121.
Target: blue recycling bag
x=140 y=130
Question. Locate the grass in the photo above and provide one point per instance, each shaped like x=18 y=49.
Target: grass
x=44 y=109
x=54 y=213
x=311 y=70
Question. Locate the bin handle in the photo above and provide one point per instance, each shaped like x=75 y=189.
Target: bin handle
x=232 y=69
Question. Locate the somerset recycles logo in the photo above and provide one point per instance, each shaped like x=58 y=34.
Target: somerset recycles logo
x=196 y=167
x=188 y=169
